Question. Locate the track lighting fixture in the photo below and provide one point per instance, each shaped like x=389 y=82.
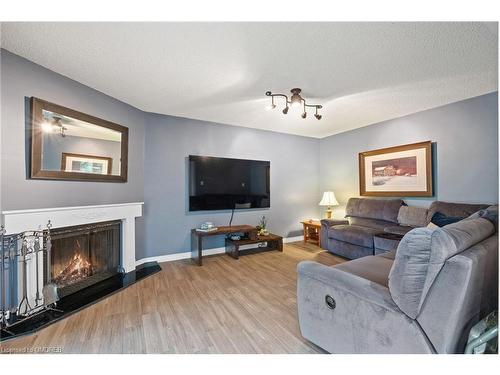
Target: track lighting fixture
x=316 y=115
x=54 y=125
x=295 y=101
x=272 y=105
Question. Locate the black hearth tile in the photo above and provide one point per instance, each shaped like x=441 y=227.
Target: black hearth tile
x=83 y=298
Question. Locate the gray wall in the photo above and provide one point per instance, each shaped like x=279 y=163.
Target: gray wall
x=466 y=162
x=22 y=79
x=161 y=172
x=465 y=151
x=54 y=145
x=169 y=140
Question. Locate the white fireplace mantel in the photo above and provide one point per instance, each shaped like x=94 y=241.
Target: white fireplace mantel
x=17 y=221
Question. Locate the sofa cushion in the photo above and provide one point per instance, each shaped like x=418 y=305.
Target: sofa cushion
x=370 y=223
x=353 y=234
x=453 y=209
x=422 y=253
x=380 y=209
x=373 y=268
x=412 y=216
x=398 y=229
x=386 y=242
x=451 y=240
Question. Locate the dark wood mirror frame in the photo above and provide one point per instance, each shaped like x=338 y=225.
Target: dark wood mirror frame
x=37 y=106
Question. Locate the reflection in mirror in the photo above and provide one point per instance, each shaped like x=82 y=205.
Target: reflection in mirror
x=73 y=145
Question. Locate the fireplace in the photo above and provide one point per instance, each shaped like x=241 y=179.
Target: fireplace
x=84 y=255
x=91 y=256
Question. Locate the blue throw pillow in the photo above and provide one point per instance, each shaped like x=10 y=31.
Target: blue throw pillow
x=441 y=219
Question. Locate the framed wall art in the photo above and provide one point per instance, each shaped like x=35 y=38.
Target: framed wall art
x=401 y=171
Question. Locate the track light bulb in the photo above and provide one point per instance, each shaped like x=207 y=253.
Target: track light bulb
x=304 y=115
x=285 y=110
x=47 y=127
x=318 y=116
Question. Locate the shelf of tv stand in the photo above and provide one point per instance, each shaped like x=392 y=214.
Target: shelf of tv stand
x=197 y=237
x=273 y=242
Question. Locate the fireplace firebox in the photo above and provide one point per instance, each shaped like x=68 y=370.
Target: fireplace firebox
x=84 y=255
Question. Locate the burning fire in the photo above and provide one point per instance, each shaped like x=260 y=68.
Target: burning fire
x=77 y=268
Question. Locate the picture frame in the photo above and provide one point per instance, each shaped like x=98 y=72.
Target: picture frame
x=81 y=163
x=400 y=171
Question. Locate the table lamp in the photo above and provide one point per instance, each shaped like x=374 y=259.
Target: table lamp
x=329 y=200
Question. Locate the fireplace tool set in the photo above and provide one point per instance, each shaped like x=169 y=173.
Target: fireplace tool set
x=26 y=286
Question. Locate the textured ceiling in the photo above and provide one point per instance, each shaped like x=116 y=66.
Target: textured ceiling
x=362 y=73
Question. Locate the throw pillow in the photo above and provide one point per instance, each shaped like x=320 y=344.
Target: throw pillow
x=441 y=219
x=412 y=216
x=432 y=226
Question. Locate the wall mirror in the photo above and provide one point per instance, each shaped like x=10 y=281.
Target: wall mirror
x=70 y=145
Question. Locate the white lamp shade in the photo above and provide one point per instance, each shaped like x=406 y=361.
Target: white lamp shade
x=328 y=199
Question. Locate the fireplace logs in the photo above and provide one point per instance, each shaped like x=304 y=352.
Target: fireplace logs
x=78 y=268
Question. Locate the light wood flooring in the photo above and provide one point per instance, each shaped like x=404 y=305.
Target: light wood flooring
x=225 y=306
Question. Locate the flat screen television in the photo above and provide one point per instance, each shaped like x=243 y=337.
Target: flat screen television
x=225 y=184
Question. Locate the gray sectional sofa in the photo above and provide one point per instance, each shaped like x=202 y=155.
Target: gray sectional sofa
x=369 y=221
x=423 y=298
x=353 y=238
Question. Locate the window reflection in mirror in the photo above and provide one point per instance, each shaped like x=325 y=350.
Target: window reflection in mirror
x=73 y=145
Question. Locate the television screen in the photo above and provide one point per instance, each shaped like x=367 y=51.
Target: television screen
x=222 y=183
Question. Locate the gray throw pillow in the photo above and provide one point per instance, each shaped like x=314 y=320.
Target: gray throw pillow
x=412 y=216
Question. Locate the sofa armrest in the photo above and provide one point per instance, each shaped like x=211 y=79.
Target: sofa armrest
x=354 y=285
x=331 y=222
x=326 y=224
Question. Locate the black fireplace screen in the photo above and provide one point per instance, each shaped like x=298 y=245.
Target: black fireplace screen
x=84 y=255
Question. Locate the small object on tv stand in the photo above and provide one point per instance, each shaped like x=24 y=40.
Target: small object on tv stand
x=261 y=227
x=206 y=230
x=207 y=225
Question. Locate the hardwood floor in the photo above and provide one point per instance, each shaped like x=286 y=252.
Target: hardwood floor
x=225 y=306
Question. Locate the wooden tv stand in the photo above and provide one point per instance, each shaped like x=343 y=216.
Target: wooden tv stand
x=197 y=251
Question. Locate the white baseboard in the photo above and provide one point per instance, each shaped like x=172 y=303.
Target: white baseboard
x=187 y=255
x=179 y=256
x=293 y=239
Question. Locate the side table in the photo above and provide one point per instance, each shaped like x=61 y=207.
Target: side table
x=312 y=231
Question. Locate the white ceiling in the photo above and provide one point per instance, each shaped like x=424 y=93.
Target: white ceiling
x=362 y=73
